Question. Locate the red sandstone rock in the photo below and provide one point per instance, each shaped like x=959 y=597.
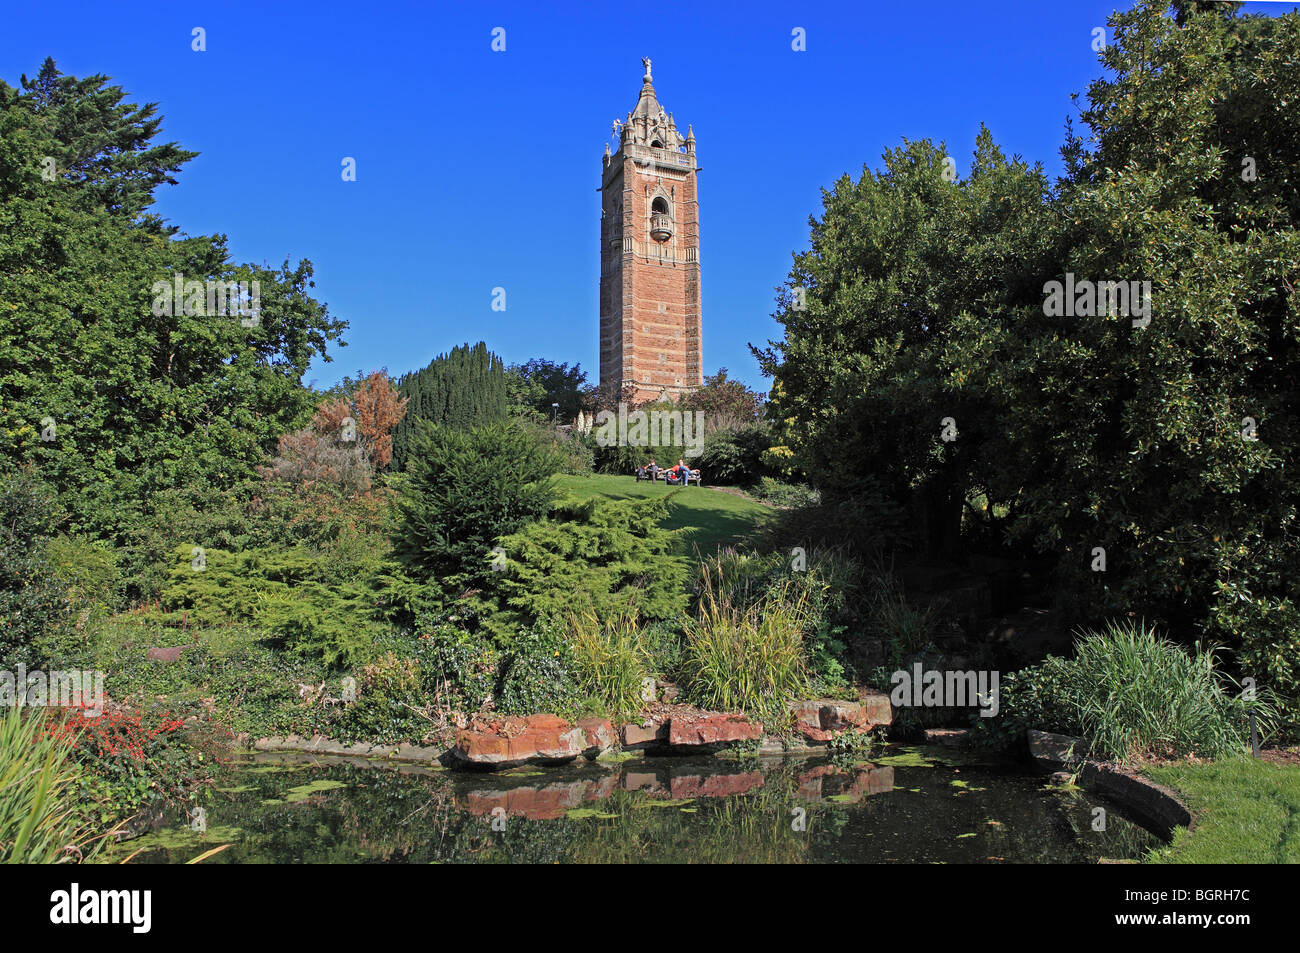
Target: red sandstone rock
x=517 y=740
x=641 y=735
x=877 y=708
x=708 y=728
x=599 y=734
x=821 y=719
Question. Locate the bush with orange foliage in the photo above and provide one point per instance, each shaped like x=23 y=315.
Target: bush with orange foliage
x=347 y=441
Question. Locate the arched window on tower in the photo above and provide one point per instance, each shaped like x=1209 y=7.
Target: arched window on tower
x=661 y=220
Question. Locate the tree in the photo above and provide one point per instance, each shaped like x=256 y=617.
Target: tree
x=1141 y=444
x=114 y=397
x=906 y=268
x=465 y=387
x=464 y=489
x=727 y=404
x=537 y=384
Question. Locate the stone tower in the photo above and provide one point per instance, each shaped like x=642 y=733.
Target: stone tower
x=650 y=255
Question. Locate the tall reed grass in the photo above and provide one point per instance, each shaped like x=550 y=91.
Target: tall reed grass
x=1137 y=695
x=745 y=649
x=38 y=774
x=611 y=659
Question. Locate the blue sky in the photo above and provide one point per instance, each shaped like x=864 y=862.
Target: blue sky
x=478 y=169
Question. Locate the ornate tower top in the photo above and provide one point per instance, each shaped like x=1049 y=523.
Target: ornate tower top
x=649 y=125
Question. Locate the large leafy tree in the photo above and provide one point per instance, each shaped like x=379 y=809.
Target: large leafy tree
x=899 y=263
x=114 y=398
x=1169 y=443
x=536 y=385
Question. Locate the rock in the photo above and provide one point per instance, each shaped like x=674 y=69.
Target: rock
x=877 y=707
x=829 y=714
x=711 y=728
x=1055 y=751
x=947 y=737
x=640 y=736
x=821 y=719
x=520 y=740
x=170 y=654
x=599 y=734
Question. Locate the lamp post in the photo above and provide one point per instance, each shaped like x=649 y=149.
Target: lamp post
x=555 y=414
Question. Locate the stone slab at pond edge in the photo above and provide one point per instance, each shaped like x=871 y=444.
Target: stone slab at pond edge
x=1157 y=806
x=820 y=720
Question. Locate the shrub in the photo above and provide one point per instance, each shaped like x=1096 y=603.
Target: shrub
x=288 y=593
x=389 y=706
x=786 y=495
x=458 y=667
x=863 y=525
x=903 y=629
x=1267 y=631
x=33 y=603
x=131 y=758
x=746 y=657
x=735 y=456
x=611 y=660
x=1133 y=695
x=538 y=674
x=464 y=490
x=88 y=571
x=599 y=556
x=826 y=586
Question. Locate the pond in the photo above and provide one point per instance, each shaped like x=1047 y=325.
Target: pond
x=905 y=805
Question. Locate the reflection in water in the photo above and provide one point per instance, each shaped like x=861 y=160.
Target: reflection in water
x=312 y=809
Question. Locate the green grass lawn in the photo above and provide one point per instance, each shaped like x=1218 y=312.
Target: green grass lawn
x=1247 y=812
x=708 y=517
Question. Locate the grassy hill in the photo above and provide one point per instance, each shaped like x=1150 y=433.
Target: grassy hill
x=709 y=517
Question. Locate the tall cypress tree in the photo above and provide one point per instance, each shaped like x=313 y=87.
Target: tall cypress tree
x=462 y=388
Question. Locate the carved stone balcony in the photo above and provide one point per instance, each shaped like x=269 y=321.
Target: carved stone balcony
x=661 y=227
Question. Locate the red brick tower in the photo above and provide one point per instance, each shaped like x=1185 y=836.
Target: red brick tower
x=650 y=255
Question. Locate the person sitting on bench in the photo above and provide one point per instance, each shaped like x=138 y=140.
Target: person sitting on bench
x=681 y=474
x=649 y=472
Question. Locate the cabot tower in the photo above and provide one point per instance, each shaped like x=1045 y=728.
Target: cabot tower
x=650 y=254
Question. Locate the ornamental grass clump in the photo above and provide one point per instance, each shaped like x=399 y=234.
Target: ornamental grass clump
x=611 y=659
x=1138 y=696
x=39 y=823
x=743 y=655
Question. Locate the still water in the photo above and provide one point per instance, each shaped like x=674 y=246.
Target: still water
x=905 y=805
